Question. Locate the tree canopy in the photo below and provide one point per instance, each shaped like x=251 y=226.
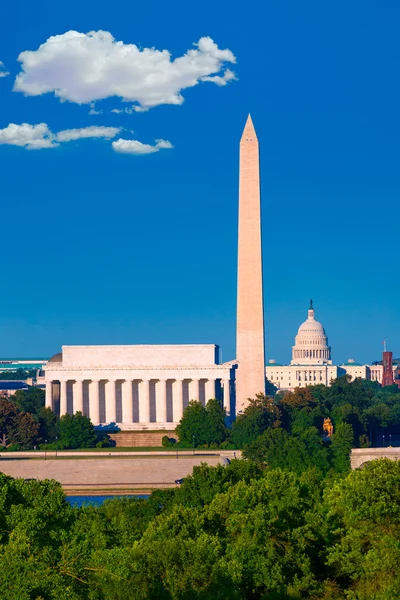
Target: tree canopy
x=238 y=532
x=202 y=425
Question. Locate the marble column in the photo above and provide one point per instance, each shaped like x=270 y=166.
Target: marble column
x=63 y=397
x=161 y=401
x=49 y=394
x=127 y=401
x=194 y=389
x=144 y=401
x=94 y=401
x=227 y=396
x=210 y=389
x=78 y=396
x=177 y=400
x=111 y=402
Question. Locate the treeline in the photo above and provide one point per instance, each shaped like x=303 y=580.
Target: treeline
x=25 y=424
x=236 y=533
x=286 y=430
x=18 y=374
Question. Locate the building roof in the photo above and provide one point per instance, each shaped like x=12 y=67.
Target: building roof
x=13 y=385
x=351 y=364
x=56 y=357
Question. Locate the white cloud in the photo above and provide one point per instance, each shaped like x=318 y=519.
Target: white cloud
x=32 y=137
x=36 y=137
x=226 y=77
x=86 y=67
x=87 y=132
x=135 y=147
x=3 y=72
x=129 y=110
x=94 y=111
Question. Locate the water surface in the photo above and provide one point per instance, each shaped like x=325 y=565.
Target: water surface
x=79 y=501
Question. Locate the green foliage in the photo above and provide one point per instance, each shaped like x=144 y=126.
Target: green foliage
x=342 y=443
x=18 y=429
x=202 y=425
x=168 y=442
x=237 y=532
x=276 y=448
x=364 y=511
x=77 y=431
x=260 y=414
x=49 y=425
x=18 y=375
x=31 y=400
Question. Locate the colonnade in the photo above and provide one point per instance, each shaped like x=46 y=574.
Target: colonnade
x=319 y=354
x=105 y=398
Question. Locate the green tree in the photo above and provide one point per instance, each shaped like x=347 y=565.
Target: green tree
x=31 y=400
x=49 y=425
x=260 y=414
x=193 y=425
x=342 y=443
x=216 y=417
x=268 y=448
x=202 y=425
x=77 y=431
x=364 y=514
x=16 y=427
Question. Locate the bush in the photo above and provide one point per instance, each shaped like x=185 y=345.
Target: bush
x=52 y=446
x=105 y=441
x=168 y=442
x=13 y=448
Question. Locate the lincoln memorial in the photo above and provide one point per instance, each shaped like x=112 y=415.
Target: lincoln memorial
x=137 y=387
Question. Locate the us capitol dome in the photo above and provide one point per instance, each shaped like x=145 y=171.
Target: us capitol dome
x=311 y=343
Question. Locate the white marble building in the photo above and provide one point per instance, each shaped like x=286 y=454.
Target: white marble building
x=137 y=387
x=311 y=362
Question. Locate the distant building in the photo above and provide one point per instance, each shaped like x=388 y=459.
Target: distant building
x=8 y=388
x=312 y=363
x=13 y=364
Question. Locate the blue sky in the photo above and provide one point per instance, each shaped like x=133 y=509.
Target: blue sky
x=104 y=246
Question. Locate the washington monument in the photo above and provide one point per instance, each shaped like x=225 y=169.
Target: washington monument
x=250 y=353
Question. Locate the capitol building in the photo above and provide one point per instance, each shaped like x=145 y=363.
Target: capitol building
x=311 y=362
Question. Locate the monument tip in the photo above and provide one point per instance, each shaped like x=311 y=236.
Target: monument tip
x=249 y=128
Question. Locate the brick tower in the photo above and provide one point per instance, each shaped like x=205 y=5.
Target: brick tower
x=387 y=362
x=250 y=354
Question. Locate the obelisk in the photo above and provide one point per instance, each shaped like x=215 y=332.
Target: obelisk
x=250 y=353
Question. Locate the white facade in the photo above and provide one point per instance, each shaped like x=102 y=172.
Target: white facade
x=137 y=387
x=288 y=377
x=311 y=362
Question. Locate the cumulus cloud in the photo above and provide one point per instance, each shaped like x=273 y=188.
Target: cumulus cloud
x=87 y=132
x=87 y=67
x=36 y=137
x=3 y=72
x=135 y=147
x=33 y=137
